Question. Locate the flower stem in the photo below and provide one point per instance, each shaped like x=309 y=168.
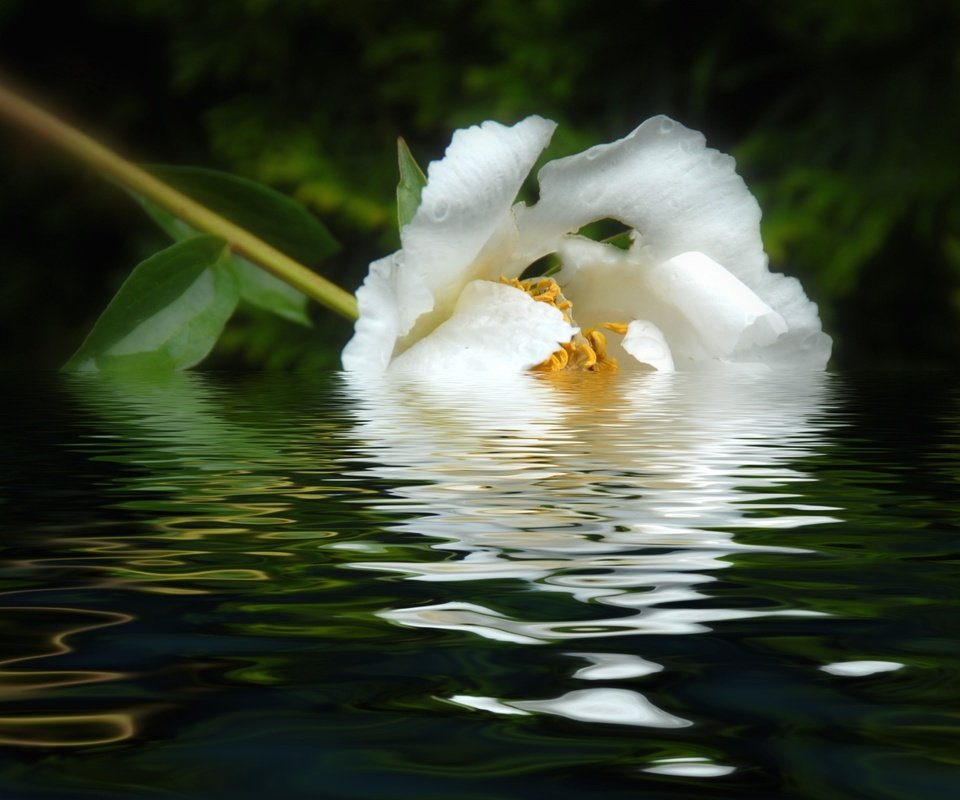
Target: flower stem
x=127 y=174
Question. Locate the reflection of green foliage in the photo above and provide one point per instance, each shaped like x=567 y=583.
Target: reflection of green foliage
x=844 y=118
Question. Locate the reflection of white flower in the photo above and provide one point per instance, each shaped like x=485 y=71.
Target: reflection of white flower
x=693 y=288
x=623 y=494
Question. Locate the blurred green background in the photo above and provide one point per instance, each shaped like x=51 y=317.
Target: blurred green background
x=844 y=118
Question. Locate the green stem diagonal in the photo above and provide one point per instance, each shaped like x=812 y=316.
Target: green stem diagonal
x=129 y=175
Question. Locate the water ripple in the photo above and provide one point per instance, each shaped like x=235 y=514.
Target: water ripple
x=622 y=494
x=721 y=586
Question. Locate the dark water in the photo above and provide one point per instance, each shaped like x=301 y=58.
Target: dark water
x=677 y=587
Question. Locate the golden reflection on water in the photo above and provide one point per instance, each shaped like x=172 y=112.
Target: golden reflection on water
x=38 y=633
x=201 y=462
x=620 y=491
x=193 y=471
x=76 y=730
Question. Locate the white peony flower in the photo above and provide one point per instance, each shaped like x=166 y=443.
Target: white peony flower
x=692 y=290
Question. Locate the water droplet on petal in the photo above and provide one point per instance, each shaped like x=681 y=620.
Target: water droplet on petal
x=592 y=194
x=666 y=125
x=441 y=210
x=593 y=152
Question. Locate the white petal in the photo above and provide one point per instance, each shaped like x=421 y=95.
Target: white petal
x=494 y=327
x=805 y=346
x=725 y=315
x=645 y=342
x=468 y=198
x=662 y=181
x=389 y=300
x=607 y=284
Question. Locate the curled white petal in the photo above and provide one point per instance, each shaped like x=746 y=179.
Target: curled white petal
x=804 y=346
x=494 y=328
x=703 y=312
x=390 y=299
x=725 y=315
x=469 y=193
x=607 y=284
x=462 y=230
x=662 y=181
x=646 y=343
x=468 y=201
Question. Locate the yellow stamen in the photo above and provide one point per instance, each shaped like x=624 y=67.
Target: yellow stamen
x=617 y=327
x=543 y=290
x=587 y=351
x=561 y=358
x=598 y=341
x=586 y=355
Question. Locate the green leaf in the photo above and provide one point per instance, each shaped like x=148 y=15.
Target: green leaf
x=410 y=188
x=277 y=219
x=168 y=313
x=263 y=290
x=257 y=286
x=177 y=229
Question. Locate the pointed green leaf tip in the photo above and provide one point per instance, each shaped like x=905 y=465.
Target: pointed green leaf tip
x=168 y=314
x=412 y=181
x=277 y=219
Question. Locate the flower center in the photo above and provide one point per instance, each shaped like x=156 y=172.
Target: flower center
x=587 y=351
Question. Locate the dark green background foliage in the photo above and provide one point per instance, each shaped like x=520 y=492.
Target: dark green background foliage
x=844 y=118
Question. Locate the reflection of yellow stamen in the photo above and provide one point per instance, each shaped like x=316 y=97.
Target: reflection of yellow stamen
x=587 y=351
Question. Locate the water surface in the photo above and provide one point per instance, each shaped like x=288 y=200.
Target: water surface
x=660 y=586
